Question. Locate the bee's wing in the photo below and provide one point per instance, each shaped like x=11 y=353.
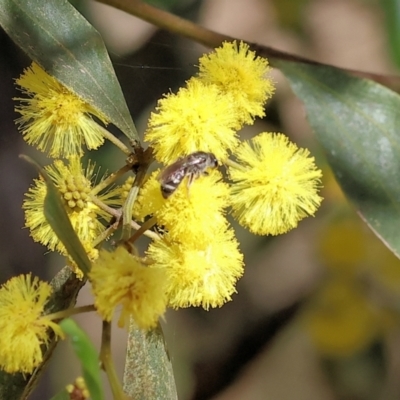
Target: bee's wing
x=171 y=169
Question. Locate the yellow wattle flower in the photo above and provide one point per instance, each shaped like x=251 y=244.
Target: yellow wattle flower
x=23 y=326
x=274 y=185
x=199 y=274
x=119 y=279
x=198 y=117
x=190 y=213
x=54 y=119
x=239 y=73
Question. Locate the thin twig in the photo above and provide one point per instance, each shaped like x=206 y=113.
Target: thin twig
x=146 y=225
x=116 y=213
x=108 y=364
x=71 y=311
x=190 y=30
x=110 y=179
x=145 y=159
x=114 y=140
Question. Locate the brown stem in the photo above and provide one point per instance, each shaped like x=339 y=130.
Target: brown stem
x=146 y=225
x=190 y=30
x=212 y=39
x=71 y=311
x=170 y=22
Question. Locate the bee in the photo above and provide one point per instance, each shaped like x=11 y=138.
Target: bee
x=192 y=166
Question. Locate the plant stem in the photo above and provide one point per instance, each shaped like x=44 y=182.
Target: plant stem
x=235 y=165
x=108 y=365
x=71 y=311
x=114 y=140
x=190 y=30
x=110 y=179
x=170 y=22
x=146 y=225
x=145 y=159
x=116 y=213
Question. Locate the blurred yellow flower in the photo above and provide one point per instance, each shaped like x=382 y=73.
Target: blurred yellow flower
x=343 y=246
x=199 y=275
x=238 y=72
x=54 y=119
x=119 y=278
x=341 y=321
x=23 y=327
x=197 y=118
x=274 y=185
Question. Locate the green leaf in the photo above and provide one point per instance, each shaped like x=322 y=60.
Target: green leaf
x=56 y=36
x=357 y=122
x=147 y=358
x=59 y=221
x=391 y=10
x=87 y=355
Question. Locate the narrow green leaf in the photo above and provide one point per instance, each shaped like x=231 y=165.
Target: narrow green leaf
x=87 y=355
x=56 y=36
x=59 y=221
x=147 y=358
x=57 y=217
x=357 y=122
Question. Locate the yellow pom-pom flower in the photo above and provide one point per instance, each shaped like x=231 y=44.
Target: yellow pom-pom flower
x=74 y=185
x=54 y=119
x=190 y=214
x=119 y=278
x=197 y=118
x=199 y=275
x=274 y=186
x=23 y=326
x=238 y=72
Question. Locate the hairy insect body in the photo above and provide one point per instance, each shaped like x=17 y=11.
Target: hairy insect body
x=192 y=166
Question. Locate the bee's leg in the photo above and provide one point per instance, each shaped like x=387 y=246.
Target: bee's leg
x=190 y=179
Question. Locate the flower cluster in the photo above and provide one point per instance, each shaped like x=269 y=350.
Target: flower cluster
x=273 y=184
x=193 y=258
